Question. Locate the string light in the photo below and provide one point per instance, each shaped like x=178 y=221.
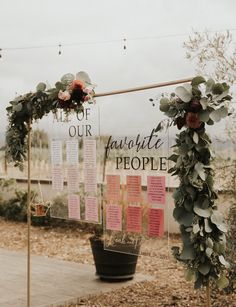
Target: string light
x=124 y=41
x=59 y=52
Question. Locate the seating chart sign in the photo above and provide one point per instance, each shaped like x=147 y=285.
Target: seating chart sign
x=75 y=166
x=136 y=192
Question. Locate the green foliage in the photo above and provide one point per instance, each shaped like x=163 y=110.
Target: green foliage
x=68 y=94
x=202 y=227
x=231 y=249
x=15 y=209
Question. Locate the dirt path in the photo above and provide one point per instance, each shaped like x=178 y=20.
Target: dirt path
x=168 y=289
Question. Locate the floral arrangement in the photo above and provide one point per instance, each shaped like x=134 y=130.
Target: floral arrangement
x=68 y=94
x=202 y=227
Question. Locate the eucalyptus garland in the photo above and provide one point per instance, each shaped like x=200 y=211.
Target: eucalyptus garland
x=68 y=94
x=202 y=226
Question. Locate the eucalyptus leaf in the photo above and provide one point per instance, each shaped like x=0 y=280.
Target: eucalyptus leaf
x=218 y=114
x=199 y=167
x=197 y=80
x=41 y=87
x=209 y=252
x=195 y=137
x=17 y=107
x=216 y=218
x=187 y=253
x=164 y=104
x=196 y=228
x=204 y=268
x=223 y=261
x=209 y=242
x=202 y=212
x=67 y=78
x=222 y=282
x=204 y=103
x=184 y=94
x=204 y=116
x=83 y=76
x=207 y=226
x=209 y=84
x=189 y=274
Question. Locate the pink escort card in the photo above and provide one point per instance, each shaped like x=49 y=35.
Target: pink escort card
x=74 y=206
x=90 y=166
x=91 y=209
x=113 y=217
x=72 y=179
x=56 y=152
x=156 y=190
x=72 y=152
x=90 y=180
x=133 y=188
x=57 y=178
x=90 y=154
x=155 y=222
x=113 y=187
x=134 y=219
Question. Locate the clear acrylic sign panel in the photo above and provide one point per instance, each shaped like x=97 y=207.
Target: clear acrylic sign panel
x=136 y=185
x=74 y=165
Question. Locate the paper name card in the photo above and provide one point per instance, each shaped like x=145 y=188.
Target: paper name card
x=72 y=152
x=134 y=219
x=156 y=190
x=57 y=178
x=90 y=153
x=113 y=187
x=155 y=222
x=91 y=209
x=114 y=217
x=72 y=179
x=56 y=152
x=90 y=180
x=133 y=188
x=74 y=206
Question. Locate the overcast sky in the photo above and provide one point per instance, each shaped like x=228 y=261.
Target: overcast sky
x=98 y=28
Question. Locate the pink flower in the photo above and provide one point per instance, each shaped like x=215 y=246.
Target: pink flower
x=65 y=96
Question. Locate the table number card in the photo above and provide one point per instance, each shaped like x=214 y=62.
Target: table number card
x=72 y=179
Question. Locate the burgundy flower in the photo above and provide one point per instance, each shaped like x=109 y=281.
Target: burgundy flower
x=195 y=106
x=192 y=120
x=180 y=122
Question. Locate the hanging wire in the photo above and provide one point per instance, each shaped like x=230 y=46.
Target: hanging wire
x=124 y=41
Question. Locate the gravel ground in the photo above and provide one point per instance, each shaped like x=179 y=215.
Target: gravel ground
x=168 y=289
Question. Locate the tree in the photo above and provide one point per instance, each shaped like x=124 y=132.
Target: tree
x=39 y=138
x=215 y=55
